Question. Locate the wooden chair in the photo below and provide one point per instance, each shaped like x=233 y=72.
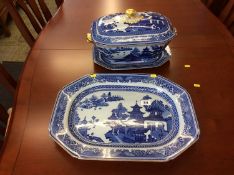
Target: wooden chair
x=224 y=10
x=3 y=124
x=37 y=12
x=227 y=16
x=7 y=81
x=3 y=18
x=10 y=84
x=215 y=6
x=207 y=2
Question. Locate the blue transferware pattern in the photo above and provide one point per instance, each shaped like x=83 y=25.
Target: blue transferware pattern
x=139 y=43
x=140 y=62
x=124 y=117
x=112 y=30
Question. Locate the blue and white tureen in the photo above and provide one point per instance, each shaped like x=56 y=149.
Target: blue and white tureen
x=129 y=117
x=131 y=40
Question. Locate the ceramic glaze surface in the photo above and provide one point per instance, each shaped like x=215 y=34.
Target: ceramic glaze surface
x=130 y=54
x=124 y=117
x=114 y=30
x=126 y=42
x=134 y=58
x=105 y=117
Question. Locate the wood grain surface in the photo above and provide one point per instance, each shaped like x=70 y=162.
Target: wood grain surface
x=61 y=55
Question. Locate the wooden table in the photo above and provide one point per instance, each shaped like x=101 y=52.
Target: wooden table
x=62 y=55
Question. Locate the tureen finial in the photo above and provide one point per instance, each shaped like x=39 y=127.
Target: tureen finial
x=130 y=12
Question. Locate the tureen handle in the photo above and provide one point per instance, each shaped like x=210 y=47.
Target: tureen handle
x=89 y=37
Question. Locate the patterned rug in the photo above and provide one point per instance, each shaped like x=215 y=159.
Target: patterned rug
x=14 y=48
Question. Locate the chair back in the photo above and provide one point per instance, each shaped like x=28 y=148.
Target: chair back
x=10 y=84
x=7 y=81
x=224 y=10
x=208 y=2
x=37 y=12
x=3 y=124
x=227 y=15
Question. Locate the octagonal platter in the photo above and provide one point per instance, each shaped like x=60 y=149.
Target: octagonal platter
x=132 y=117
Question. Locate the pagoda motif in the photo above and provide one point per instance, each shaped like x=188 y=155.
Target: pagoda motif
x=136 y=113
x=131 y=125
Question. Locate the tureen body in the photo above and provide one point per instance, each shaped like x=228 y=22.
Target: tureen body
x=131 y=38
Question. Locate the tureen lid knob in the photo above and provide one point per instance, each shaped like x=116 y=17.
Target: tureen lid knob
x=130 y=12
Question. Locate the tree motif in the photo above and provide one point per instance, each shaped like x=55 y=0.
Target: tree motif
x=146 y=53
x=136 y=52
x=119 y=112
x=93 y=98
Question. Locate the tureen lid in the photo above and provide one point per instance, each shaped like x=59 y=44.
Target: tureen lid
x=132 y=27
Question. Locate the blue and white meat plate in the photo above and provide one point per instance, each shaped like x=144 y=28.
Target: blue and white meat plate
x=127 y=117
x=131 y=40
